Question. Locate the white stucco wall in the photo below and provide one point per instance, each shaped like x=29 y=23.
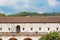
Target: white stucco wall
x=27 y=26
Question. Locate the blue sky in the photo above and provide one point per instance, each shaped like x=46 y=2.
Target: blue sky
x=41 y=6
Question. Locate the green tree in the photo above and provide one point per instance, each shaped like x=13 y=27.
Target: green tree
x=2 y=14
x=50 y=36
x=25 y=14
x=35 y=14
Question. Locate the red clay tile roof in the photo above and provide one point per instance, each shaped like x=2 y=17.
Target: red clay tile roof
x=31 y=19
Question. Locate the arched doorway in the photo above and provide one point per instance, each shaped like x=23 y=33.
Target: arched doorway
x=0 y=39
x=17 y=28
x=27 y=39
x=12 y=39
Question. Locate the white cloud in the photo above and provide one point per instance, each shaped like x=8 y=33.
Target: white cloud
x=52 y=2
x=26 y=6
x=14 y=5
x=3 y=2
x=41 y=12
x=12 y=2
x=27 y=1
x=8 y=2
x=18 y=7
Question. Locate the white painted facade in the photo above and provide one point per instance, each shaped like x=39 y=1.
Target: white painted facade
x=28 y=27
x=44 y=27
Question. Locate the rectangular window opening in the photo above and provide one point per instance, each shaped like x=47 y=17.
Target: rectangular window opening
x=23 y=28
x=39 y=28
x=8 y=28
x=31 y=28
x=56 y=28
x=48 y=28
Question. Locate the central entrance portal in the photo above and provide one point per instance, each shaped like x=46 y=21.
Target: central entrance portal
x=17 y=28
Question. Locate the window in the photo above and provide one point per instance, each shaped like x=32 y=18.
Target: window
x=56 y=28
x=17 y=28
x=23 y=28
x=31 y=28
x=39 y=28
x=0 y=28
x=8 y=28
x=48 y=28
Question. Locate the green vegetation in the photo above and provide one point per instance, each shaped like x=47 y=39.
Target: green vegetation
x=25 y=14
x=51 y=36
x=2 y=14
x=31 y=14
x=35 y=14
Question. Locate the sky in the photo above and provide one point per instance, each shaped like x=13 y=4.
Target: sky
x=40 y=6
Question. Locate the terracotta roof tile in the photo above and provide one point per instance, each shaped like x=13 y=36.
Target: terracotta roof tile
x=31 y=19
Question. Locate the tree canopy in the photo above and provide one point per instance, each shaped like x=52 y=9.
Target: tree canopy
x=25 y=14
x=2 y=14
x=51 y=36
x=35 y=14
x=32 y=14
